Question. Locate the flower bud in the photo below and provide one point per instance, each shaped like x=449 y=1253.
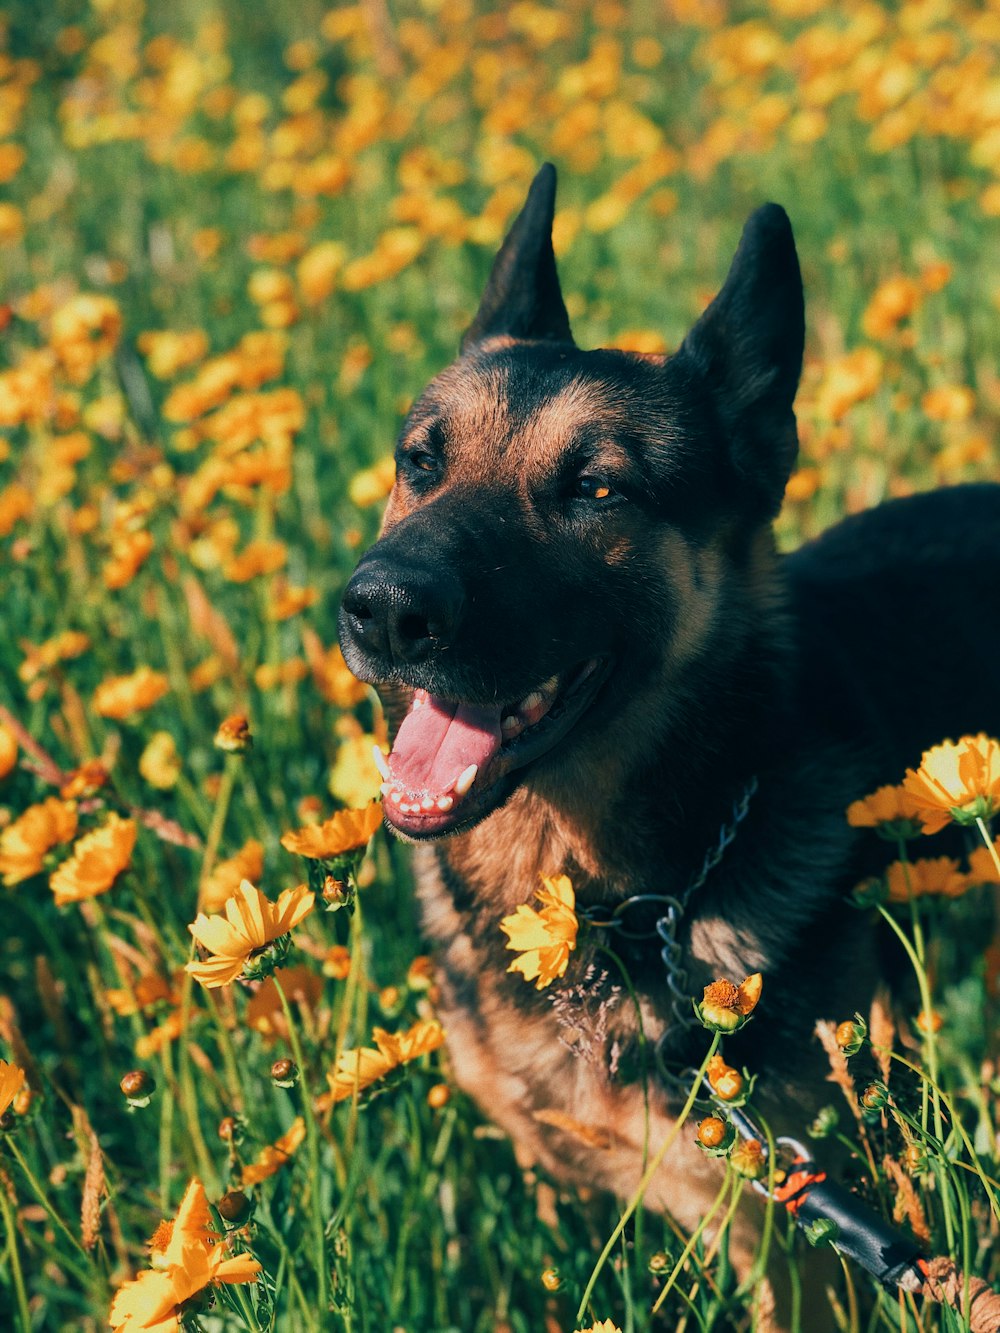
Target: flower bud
x=826 y=1121
x=551 y=1280
x=284 y=1073
x=714 y=1133
x=235 y=1208
x=929 y=1022
x=438 y=1096
x=821 y=1231
x=137 y=1087
x=24 y=1101
x=747 y=1159
x=870 y=892
x=233 y=734
x=874 y=1096
x=851 y=1034
x=915 y=1159
x=659 y=1263
x=228 y=1129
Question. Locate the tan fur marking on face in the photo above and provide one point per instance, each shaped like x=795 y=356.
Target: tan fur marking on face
x=694 y=577
x=556 y=420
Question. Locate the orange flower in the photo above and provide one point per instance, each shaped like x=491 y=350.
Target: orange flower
x=98 y=859
x=956 y=781
x=11 y=1082
x=894 y=300
x=121 y=696
x=251 y=922
x=889 y=807
x=546 y=938
x=25 y=843
x=358 y=1069
x=225 y=879
x=188 y=1256
x=274 y=1156
x=932 y=875
x=983 y=867
x=337 y=962
x=265 y=1013
x=726 y=1007
x=606 y=1325
x=346 y=831
x=8 y=751
x=148 y=989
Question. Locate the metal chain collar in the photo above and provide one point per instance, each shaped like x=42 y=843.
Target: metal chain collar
x=616 y=916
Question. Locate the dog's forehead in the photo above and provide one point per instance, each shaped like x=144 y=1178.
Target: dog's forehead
x=514 y=406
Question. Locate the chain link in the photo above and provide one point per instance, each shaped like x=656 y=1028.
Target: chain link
x=621 y=917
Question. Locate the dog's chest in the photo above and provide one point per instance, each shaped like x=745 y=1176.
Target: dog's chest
x=549 y=1072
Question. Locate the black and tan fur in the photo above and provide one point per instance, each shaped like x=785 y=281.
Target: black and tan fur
x=824 y=674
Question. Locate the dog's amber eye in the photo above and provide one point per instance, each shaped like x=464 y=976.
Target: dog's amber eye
x=589 y=487
x=426 y=462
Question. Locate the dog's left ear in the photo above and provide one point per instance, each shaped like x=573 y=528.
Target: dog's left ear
x=522 y=297
x=747 y=347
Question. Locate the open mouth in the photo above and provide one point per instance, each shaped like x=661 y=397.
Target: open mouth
x=453 y=763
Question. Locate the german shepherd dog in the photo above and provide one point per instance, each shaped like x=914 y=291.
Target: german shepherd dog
x=589 y=649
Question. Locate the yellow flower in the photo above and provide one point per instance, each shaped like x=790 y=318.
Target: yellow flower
x=354 y=778
x=726 y=1007
x=894 y=300
x=931 y=875
x=25 y=843
x=11 y=1082
x=188 y=1257
x=159 y=763
x=251 y=922
x=359 y=1069
x=225 y=879
x=346 y=831
x=98 y=859
x=605 y=1326
x=956 y=780
x=544 y=939
x=121 y=696
x=8 y=751
x=274 y=1156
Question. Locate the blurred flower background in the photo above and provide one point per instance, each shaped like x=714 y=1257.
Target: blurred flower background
x=235 y=241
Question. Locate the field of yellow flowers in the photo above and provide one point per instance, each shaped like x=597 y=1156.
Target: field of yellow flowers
x=235 y=240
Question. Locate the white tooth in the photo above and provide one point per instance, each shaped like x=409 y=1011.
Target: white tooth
x=445 y=803
x=510 y=725
x=385 y=789
x=396 y=797
x=530 y=701
x=466 y=779
x=427 y=803
x=381 y=763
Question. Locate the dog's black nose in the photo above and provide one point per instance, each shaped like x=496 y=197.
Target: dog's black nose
x=401 y=616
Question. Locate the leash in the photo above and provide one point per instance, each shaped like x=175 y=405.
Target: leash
x=620 y=917
x=805 y=1190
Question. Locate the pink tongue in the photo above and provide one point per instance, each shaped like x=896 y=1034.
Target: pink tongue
x=439 y=740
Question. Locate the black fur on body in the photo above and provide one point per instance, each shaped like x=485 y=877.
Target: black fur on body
x=824 y=674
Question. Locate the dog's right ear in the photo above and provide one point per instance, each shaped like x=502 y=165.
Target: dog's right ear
x=522 y=297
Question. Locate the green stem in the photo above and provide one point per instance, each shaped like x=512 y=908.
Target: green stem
x=15 y=1261
x=981 y=826
x=43 y=1198
x=925 y=1002
x=648 y=1175
x=693 y=1241
x=219 y=812
x=312 y=1135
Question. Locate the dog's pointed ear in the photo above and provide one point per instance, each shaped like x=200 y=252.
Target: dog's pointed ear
x=748 y=346
x=522 y=297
